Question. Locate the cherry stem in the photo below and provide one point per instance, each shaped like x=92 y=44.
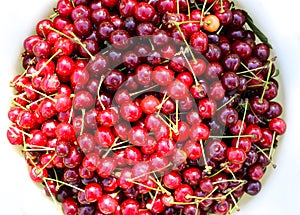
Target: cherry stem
x=243 y=121
x=20 y=96
x=61 y=182
x=230 y=100
x=202 y=12
x=185 y=41
x=47 y=62
x=98 y=91
x=77 y=40
x=21 y=131
x=36 y=101
x=143 y=185
x=171 y=125
x=208 y=9
x=236 y=207
x=37 y=150
x=221 y=170
x=38 y=92
x=228 y=180
x=22 y=75
x=222 y=137
x=70 y=117
x=188 y=7
x=110 y=148
x=51 y=194
x=191 y=68
x=176 y=116
x=144 y=90
x=272 y=145
x=150 y=206
x=19 y=105
x=267 y=81
x=144 y=174
x=159 y=184
x=250 y=70
x=164 y=100
x=207 y=167
x=61 y=33
x=45 y=166
x=262 y=151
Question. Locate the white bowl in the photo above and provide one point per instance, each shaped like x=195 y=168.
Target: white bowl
x=278 y=20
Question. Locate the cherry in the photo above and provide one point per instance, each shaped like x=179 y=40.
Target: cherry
x=38 y=173
x=156 y=205
x=211 y=23
x=274 y=110
x=107 y=204
x=225 y=16
x=253 y=187
x=113 y=80
x=138 y=136
x=255 y=131
x=177 y=90
x=228 y=116
x=216 y=150
x=162 y=75
x=69 y=206
x=199 y=42
x=230 y=81
x=86 y=142
x=130 y=111
x=105 y=167
x=172 y=180
x=104 y=136
x=193 y=150
x=278 y=125
x=165 y=6
x=73 y=159
x=199 y=132
x=143 y=74
x=107 y=117
x=192 y=176
x=239 y=18
x=144 y=12
x=182 y=193
x=100 y=15
x=242 y=49
x=93 y=192
x=132 y=154
x=207 y=108
x=131 y=60
x=126 y=7
x=236 y=155
x=129 y=206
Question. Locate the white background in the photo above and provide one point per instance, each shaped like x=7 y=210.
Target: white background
x=280 y=194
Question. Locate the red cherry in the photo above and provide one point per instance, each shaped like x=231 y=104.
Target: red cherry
x=236 y=155
x=278 y=125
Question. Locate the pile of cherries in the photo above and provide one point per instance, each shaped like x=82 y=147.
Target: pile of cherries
x=146 y=107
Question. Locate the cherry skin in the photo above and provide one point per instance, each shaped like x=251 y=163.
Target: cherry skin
x=93 y=192
x=144 y=12
x=149 y=104
x=69 y=206
x=182 y=193
x=199 y=42
x=278 y=125
x=130 y=111
x=236 y=155
x=107 y=204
